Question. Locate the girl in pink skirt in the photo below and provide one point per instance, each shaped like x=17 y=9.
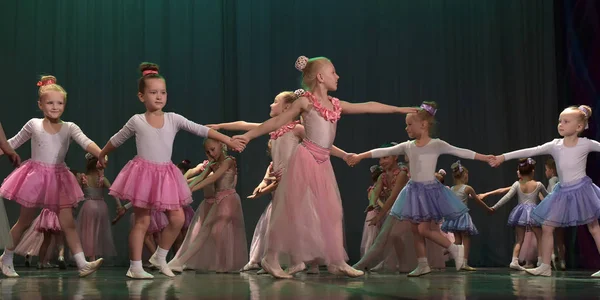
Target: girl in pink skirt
x=151 y=181
x=307 y=222
x=93 y=223
x=5 y=238
x=221 y=242
x=44 y=180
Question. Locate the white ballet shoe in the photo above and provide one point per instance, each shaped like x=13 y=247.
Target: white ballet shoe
x=139 y=274
x=597 y=274
x=296 y=269
x=8 y=269
x=162 y=266
x=421 y=270
x=175 y=266
x=515 y=266
x=90 y=268
x=250 y=266
x=543 y=270
x=458 y=254
x=344 y=270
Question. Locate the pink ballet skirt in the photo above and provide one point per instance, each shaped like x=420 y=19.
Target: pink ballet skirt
x=257 y=247
x=33 y=238
x=529 y=251
x=369 y=233
x=37 y=184
x=158 y=221
x=48 y=222
x=188 y=211
x=93 y=226
x=219 y=243
x=151 y=185
x=307 y=217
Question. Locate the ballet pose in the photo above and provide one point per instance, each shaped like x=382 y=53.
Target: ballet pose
x=307 y=223
x=151 y=181
x=576 y=199
x=425 y=201
x=44 y=180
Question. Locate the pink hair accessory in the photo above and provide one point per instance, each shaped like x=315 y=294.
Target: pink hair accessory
x=301 y=63
x=148 y=72
x=45 y=82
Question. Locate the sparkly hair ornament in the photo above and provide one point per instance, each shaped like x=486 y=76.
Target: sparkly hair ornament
x=428 y=108
x=442 y=172
x=374 y=168
x=299 y=93
x=529 y=161
x=301 y=63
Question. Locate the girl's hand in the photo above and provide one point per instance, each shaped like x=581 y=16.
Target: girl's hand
x=237 y=145
x=496 y=161
x=214 y=126
x=102 y=159
x=353 y=159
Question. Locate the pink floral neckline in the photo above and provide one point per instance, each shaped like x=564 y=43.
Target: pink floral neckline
x=283 y=130
x=329 y=115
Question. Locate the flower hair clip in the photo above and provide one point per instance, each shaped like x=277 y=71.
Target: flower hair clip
x=301 y=63
x=586 y=112
x=89 y=156
x=374 y=168
x=299 y=93
x=442 y=172
x=529 y=161
x=46 y=82
x=428 y=108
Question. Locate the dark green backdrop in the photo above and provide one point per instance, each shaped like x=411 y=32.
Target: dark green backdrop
x=489 y=64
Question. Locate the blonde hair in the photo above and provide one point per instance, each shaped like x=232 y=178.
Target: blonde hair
x=310 y=68
x=585 y=113
x=47 y=84
x=427 y=116
x=287 y=97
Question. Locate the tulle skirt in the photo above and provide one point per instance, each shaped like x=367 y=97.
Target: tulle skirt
x=307 y=217
x=529 y=250
x=570 y=204
x=427 y=201
x=369 y=233
x=32 y=240
x=151 y=185
x=188 y=211
x=257 y=247
x=5 y=237
x=37 y=184
x=48 y=222
x=464 y=223
x=521 y=216
x=158 y=221
x=93 y=226
x=219 y=243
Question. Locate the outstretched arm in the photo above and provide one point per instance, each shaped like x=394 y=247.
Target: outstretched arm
x=471 y=192
x=499 y=191
x=372 y=107
x=376 y=153
x=107 y=185
x=275 y=123
x=7 y=149
x=401 y=182
x=200 y=184
x=508 y=196
x=529 y=152
x=234 y=126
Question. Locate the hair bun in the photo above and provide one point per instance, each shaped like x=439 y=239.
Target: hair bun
x=442 y=172
x=299 y=93
x=301 y=63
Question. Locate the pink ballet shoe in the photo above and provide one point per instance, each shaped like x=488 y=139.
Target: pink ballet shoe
x=275 y=272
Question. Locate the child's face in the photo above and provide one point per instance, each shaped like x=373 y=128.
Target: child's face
x=213 y=149
x=155 y=94
x=52 y=104
x=549 y=172
x=388 y=162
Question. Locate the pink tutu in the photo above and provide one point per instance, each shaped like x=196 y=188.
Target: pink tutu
x=48 y=222
x=257 y=247
x=150 y=185
x=529 y=251
x=32 y=241
x=188 y=211
x=307 y=217
x=36 y=184
x=220 y=243
x=158 y=221
x=93 y=226
x=369 y=233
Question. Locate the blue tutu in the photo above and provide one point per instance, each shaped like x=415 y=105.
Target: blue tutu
x=570 y=204
x=463 y=223
x=427 y=201
x=521 y=216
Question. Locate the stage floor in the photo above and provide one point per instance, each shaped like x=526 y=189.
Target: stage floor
x=111 y=283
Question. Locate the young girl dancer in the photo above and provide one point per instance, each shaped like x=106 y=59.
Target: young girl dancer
x=463 y=227
x=221 y=243
x=576 y=199
x=373 y=192
x=151 y=180
x=425 y=201
x=307 y=222
x=44 y=180
x=93 y=223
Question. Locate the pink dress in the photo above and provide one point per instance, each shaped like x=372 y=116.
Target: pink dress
x=220 y=244
x=307 y=217
x=284 y=143
x=151 y=180
x=32 y=239
x=93 y=224
x=44 y=180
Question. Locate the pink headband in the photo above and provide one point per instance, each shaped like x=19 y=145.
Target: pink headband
x=147 y=72
x=46 y=82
